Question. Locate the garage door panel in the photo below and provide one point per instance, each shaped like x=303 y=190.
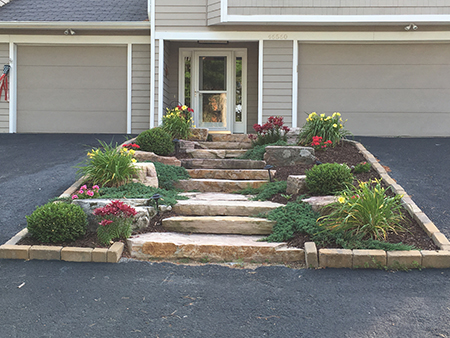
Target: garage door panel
x=368 y=76
x=75 y=99
x=77 y=77
x=71 y=55
x=75 y=122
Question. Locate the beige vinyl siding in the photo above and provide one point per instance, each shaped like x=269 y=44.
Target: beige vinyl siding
x=156 y=94
x=180 y=14
x=252 y=85
x=140 y=95
x=213 y=12
x=72 y=89
x=382 y=89
x=277 y=80
x=4 y=106
x=166 y=92
x=336 y=7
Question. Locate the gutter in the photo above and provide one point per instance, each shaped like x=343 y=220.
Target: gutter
x=117 y=25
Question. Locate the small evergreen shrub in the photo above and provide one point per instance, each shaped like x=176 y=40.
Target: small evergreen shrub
x=266 y=191
x=328 y=178
x=257 y=152
x=157 y=141
x=168 y=174
x=57 y=222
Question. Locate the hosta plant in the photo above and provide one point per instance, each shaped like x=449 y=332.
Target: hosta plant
x=364 y=212
x=328 y=127
x=115 y=221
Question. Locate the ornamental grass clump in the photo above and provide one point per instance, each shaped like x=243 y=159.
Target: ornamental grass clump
x=364 y=212
x=270 y=132
x=108 y=167
x=57 y=222
x=178 y=122
x=115 y=221
x=156 y=140
x=328 y=127
x=328 y=178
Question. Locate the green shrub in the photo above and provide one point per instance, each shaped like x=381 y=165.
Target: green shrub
x=157 y=141
x=139 y=190
x=178 y=122
x=364 y=212
x=108 y=166
x=257 y=152
x=57 y=222
x=266 y=191
x=328 y=178
x=328 y=127
x=168 y=174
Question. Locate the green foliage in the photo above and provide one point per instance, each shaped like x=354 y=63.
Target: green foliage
x=177 y=122
x=328 y=127
x=266 y=191
x=139 y=190
x=294 y=217
x=270 y=132
x=362 y=167
x=57 y=222
x=328 y=178
x=364 y=212
x=257 y=152
x=168 y=174
x=157 y=141
x=107 y=166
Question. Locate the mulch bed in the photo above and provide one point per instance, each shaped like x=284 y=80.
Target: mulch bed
x=344 y=153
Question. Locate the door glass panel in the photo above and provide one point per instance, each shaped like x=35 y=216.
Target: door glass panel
x=187 y=81
x=238 y=104
x=214 y=109
x=213 y=72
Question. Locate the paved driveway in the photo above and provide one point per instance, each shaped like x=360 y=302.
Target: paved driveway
x=143 y=299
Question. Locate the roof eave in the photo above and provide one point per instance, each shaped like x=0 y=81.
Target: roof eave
x=116 y=25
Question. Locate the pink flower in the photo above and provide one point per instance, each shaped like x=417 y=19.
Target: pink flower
x=74 y=197
x=90 y=193
x=96 y=187
x=81 y=192
x=105 y=222
x=83 y=187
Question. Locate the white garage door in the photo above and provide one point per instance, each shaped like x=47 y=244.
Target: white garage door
x=383 y=90
x=71 y=89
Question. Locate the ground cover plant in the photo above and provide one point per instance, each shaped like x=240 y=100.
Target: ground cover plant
x=169 y=174
x=257 y=152
x=266 y=191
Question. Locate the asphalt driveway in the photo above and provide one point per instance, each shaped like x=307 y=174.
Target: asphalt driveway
x=144 y=299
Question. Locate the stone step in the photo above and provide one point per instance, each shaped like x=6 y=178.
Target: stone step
x=197 y=163
x=236 y=225
x=211 y=248
x=226 y=145
x=215 y=153
x=194 y=207
x=230 y=174
x=229 y=138
x=212 y=185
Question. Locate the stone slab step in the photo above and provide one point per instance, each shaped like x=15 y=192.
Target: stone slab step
x=215 y=153
x=219 y=225
x=212 y=185
x=194 y=207
x=220 y=137
x=214 y=196
x=226 y=145
x=221 y=164
x=211 y=248
x=230 y=174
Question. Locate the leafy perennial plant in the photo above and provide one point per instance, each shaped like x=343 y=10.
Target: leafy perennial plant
x=328 y=127
x=270 y=132
x=178 y=122
x=86 y=193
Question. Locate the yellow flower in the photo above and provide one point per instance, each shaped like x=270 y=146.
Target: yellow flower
x=341 y=126
x=132 y=151
x=337 y=114
x=133 y=160
x=184 y=107
x=321 y=119
x=193 y=126
x=328 y=118
x=322 y=115
x=335 y=125
x=341 y=199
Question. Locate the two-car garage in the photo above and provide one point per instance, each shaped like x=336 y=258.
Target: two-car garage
x=71 y=89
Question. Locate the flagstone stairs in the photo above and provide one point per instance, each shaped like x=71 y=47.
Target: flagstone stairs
x=214 y=225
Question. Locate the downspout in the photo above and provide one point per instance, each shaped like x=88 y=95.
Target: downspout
x=151 y=15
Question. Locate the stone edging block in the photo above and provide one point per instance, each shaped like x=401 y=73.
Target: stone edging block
x=335 y=258
x=311 y=258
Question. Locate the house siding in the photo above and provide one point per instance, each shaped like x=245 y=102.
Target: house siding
x=336 y=7
x=382 y=89
x=166 y=93
x=140 y=96
x=213 y=12
x=181 y=14
x=277 y=80
x=4 y=105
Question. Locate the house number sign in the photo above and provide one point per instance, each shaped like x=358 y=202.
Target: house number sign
x=278 y=36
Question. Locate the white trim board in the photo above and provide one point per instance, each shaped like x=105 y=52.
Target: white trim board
x=74 y=39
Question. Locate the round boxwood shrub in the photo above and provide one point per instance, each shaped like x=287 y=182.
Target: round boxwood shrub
x=57 y=222
x=328 y=178
x=157 y=141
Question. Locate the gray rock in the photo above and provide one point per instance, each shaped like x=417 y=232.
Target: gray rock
x=296 y=184
x=289 y=155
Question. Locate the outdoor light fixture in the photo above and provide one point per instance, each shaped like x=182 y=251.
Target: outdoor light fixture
x=69 y=31
x=176 y=142
x=156 y=198
x=268 y=167
x=411 y=26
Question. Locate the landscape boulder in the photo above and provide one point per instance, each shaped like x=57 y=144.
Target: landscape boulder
x=280 y=156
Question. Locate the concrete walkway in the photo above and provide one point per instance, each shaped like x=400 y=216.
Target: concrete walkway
x=143 y=299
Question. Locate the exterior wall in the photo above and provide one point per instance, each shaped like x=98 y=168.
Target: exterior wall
x=156 y=82
x=4 y=106
x=213 y=12
x=382 y=89
x=277 y=80
x=166 y=94
x=336 y=7
x=140 y=86
x=174 y=14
